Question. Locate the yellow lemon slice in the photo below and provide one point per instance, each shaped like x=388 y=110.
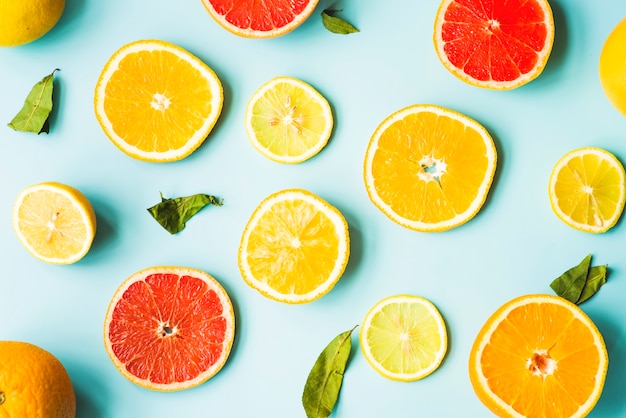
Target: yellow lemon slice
x=55 y=222
x=295 y=247
x=429 y=168
x=587 y=189
x=288 y=121
x=538 y=356
x=156 y=101
x=404 y=337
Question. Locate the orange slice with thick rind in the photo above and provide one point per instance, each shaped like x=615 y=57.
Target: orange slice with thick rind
x=429 y=168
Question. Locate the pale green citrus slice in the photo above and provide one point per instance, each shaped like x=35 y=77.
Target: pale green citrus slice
x=55 y=222
x=295 y=247
x=587 y=189
x=404 y=337
x=288 y=121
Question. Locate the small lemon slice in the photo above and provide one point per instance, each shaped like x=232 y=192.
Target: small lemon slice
x=404 y=337
x=587 y=189
x=295 y=247
x=288 y=121
x=55 y=222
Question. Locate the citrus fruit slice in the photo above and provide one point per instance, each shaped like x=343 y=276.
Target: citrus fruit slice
x=404 y=337
x=612 y=67
x=34 y=383
x=55 y=222
x=260 y=18
x=538 y=356
x=294 y=248
x=169 y=328
x=587 y=189
x=288 y=121
x=24 y=21
x=495 y=44
x=156 y=101
x=429 y=168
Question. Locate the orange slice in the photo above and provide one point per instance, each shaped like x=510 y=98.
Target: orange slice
x=260 y=18
x=294 y=248
x=495 y=44
x=169 y=328
x=156 y=101
x=429 y=168
x=587 y=189
x=538 y=356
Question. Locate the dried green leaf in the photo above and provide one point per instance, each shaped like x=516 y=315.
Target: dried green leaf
x=33 y=117
x=596 y=278
x=173 y=214
x=321 y=390
x=570 y=284
x=336 y=24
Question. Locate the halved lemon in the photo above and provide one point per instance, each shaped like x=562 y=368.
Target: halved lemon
x=295 y=247
x=587 y=189
x=288 y=121
x=55 y=222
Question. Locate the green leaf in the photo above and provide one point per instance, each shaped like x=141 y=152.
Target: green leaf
x=321 y=390
x=336 y=24
x=173 y=214
x=570 y=284
x=595 y=280
x=580 y=282
x=33 y=117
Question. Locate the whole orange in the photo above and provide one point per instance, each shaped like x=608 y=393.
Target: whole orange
x=33 y=383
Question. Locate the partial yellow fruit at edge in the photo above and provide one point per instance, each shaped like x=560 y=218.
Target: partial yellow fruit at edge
x=23 y=21
x=612 y=67
x=33 y=383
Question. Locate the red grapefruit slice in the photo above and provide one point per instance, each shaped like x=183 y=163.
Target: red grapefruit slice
x=169 y=328
x=495 y=44
x=260 y=18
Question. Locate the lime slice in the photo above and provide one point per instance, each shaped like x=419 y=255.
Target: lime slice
x=404 y=337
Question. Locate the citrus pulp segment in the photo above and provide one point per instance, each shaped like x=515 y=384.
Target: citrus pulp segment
x=169 y=328
x=587 y=189
x=294 y=248
x=612 y=67
x=33 y=383
x=404 y=337
x=156 y=101
x=495 y=44
x=55 y=222
x=429 y=168
x=260 y=18
x=538 y=356
x=288 y=121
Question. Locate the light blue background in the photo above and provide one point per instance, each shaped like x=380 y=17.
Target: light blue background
x=514 y=246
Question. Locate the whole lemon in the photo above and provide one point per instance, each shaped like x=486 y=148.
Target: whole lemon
x=612 y=68
x=33 y=383
x=23 y=21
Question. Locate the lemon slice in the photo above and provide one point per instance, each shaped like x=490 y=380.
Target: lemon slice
x=587 y=189
x=288 y=121
x=404 y=337
x=156 y=101
x=55 y=222
x=295 y=247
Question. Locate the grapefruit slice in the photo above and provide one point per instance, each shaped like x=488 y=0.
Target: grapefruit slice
x=169 y=328
x=495 y=44
x=260 y=18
